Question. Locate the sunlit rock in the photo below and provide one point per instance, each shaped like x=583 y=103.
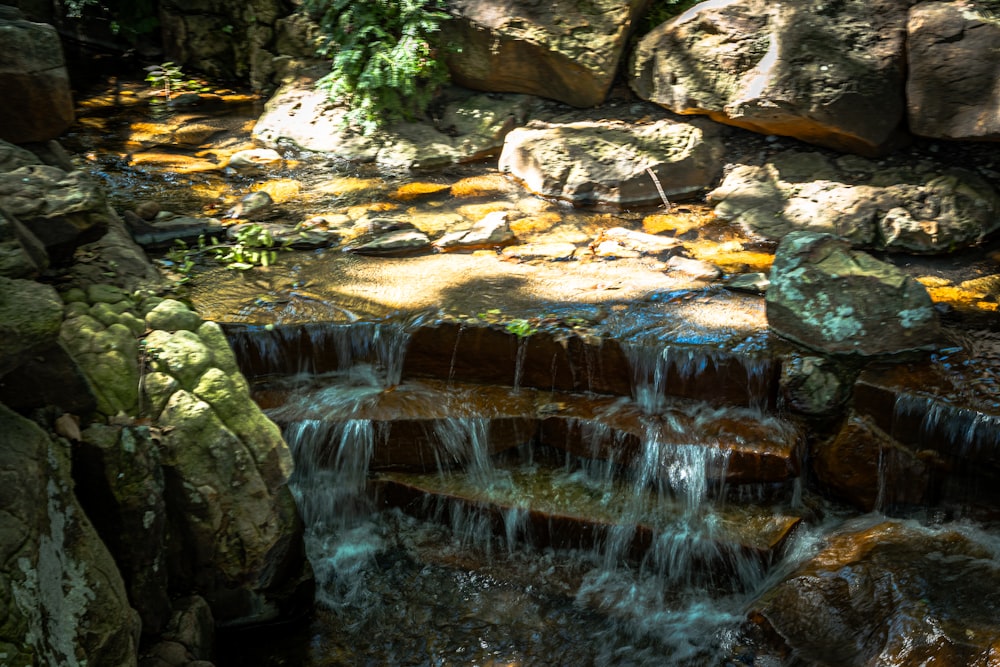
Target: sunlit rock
x=63 y=597
x=952 y=91
x=696 y=268
x=918 y=207
x=492 y=231
x=613 y=162
x=825 y=74
x=891 y=593
x=399 y=242
x=828 y=297
x=565 y=51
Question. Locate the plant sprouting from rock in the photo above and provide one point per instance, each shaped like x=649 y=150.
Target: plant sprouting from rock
x=387 y=57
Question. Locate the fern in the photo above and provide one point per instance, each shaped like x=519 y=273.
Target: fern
x=386 y=57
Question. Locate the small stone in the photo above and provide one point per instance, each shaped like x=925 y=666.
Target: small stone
x=147 y=210
x=253 y=158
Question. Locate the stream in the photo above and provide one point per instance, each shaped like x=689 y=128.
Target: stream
x=514 y=459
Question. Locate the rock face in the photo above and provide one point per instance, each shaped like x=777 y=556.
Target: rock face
x=609 y=162
x=916 y=208
x=830 y=298
x=566 y=51
x=829 y=73
x=225 y=470
x=63 y=599
x=471 y=127
x=34 y=83
x=891 y=593
x=952 y=90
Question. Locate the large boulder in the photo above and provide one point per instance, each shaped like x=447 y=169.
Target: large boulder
x=566 y=51
x=63 y=599
x=827 y=72
x=471 y=127
x=34 y=83
x=22 y=255
x=226 y=469
x=891 y=593
x=836 y=300
x=613 y=162
x=953 y=87
x=30 y=316
x=919 y=207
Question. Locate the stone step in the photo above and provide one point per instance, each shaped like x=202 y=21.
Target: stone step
x=640 y=347
x=431 y=425
x=564 y=509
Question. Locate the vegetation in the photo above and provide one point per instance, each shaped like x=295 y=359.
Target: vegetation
x=252 y=246
x=171 y=79
x=387 y=57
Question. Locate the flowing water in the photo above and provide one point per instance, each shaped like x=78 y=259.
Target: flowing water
x=532 y=462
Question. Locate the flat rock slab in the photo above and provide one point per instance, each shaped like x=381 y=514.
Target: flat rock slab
x=613 y=162
x=916 y=208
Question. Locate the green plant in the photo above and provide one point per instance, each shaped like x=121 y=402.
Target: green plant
x=171 y=79
x=254 y=246
x=387 y=62
x=520 y=328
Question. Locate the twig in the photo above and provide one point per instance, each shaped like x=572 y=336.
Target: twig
x=659 y=188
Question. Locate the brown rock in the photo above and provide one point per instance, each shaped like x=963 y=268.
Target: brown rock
x=953 y=87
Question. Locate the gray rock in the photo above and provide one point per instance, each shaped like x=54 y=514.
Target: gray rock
x=754 y=283
x=952 y=91
x=30 y=317
x=813 y=385
x=695 y=268
x=609 y=162
x=492 y=231
x=172 y=315
x=400 y=242
x=830 y=298
x=827 y=74
x=918 y=208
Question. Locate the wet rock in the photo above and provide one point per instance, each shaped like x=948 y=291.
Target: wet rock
x=400 y=242
x=814 y=385
x=920 y=207
x=254 y=158
x=64 y=599
x=952 y=92
x=695 y=268
x=640 y=242
x=561 y=50
x=167 y=228
x=828 y=297
x=829 y=76
x=891 y=593
x=34 y=82
x=754 y=283
x=254 y=206
x=865 y=467
x=299 y=237
x=471 y=127
x=192 y=626
x=609 y=162
x=492 y=231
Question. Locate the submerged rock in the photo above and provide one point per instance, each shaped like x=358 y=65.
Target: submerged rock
x=919 y=208
x=613 y=162
x=830 y=298
x=827 y=74
x=893 y=593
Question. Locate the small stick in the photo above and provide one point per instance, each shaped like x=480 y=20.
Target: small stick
x=659 y=188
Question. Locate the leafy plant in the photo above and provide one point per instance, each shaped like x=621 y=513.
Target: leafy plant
x=386 y=55
x=254 y=246
x=171 y=79
x=521 y=328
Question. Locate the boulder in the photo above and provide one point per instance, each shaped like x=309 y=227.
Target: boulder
x=566 y=51
x=836 y=300
x=613 y=162
x=492 y=231
x=920 y=207
x=952 y=90
x=862 y=465
x=30 y=316
x=63 y=210
x=34 y=83
x=63 y=598
x=471 y=127
x=829 y=73
x=22 y=255
x=890 y=593
x=226 y=469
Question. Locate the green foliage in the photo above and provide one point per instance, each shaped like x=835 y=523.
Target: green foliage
x=386 y=57
x=171 y=79
x=253 y=246
x=520 y=328
x=661 y=11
